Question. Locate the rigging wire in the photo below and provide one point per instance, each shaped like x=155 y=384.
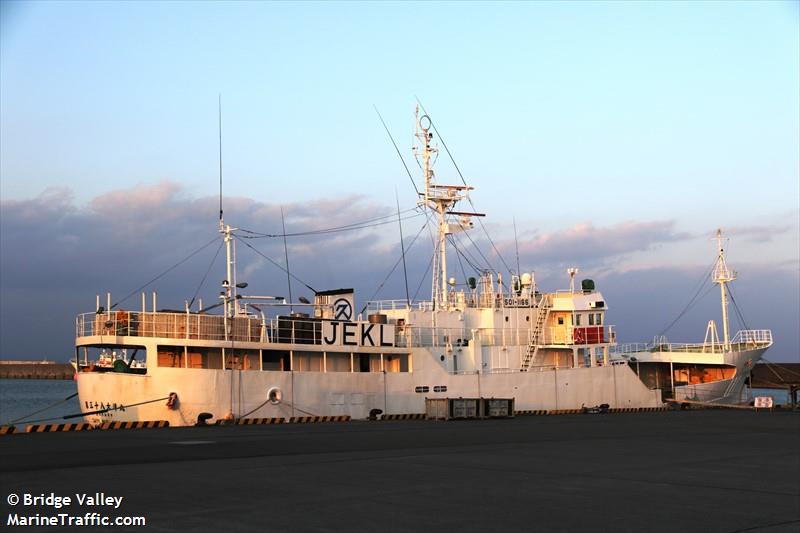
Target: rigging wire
x=309 y=287
x=460 y=263
x=486 y=261
x=203 y=281
x=739 y=312
x=397 y=150
x=474 y=263
x=402 y=246
x=378 y=221
x=396 y=264
x=167 y=271
x=459 y=254
x=686 y=309
x=422 y=280
x=699 y=287
x=483 y=227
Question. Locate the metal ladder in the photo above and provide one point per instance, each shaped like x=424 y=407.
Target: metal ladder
x=543 y=311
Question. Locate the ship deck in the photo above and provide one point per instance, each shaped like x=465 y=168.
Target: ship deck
x=683 y=471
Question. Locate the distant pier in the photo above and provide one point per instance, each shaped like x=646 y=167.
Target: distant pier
x=784 y=376
x=35 y=370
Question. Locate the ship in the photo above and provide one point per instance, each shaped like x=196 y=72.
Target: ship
x=252 y=357
x=714 y=371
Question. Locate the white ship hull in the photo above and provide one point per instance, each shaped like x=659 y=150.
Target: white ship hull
x=220 y=392
x=726 y=391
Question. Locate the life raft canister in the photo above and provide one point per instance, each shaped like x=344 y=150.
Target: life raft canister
x=172 y=400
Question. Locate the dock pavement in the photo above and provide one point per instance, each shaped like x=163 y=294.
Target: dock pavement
x=682 y=471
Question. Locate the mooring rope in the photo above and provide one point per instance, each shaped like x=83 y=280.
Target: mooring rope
x=59 y=402
x=100 y=411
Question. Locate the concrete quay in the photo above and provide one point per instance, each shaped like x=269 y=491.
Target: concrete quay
x=35 y=370
x=705 y=471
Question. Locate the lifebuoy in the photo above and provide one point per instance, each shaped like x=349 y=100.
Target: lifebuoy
x=172 y=400
x=274 y=395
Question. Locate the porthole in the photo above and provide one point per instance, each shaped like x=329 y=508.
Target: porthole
x=442 y=358
x=527 y=318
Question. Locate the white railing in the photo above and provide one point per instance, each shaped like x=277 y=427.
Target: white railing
x=753 y=336
x=634 y=347
x=743 y=340
x=447 y=337
x=630 y=347
x=411 y=336
x=170 y=325
x=388 y=305
x=459 y=300
x=285 y=330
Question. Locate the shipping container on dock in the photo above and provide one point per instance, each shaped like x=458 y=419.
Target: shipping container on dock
x=468 y=408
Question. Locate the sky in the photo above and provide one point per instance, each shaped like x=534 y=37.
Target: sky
x=616 y=136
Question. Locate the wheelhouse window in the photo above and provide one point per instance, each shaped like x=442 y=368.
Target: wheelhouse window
x=204 y=358
x=367 y=362
x=241 y=360
x=396 y=362
x=307 y=361
x=275 y=360
x=337 y=362
x=171 y=356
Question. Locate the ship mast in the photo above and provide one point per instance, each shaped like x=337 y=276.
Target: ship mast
x=229 y=284
x=440 y=199
x=723 y=275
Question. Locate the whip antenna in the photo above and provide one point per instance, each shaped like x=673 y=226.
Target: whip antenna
x=220 y=154
x=402 y=245
x=286 y=255
x=397 y=150
x=516 y=243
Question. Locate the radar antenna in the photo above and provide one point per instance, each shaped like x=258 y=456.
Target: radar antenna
x=441 y=199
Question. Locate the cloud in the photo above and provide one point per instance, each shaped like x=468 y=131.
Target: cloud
x=587 y=244
x=757 y=233
x=56 y=255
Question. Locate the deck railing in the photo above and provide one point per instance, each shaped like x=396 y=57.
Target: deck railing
x=170 y=325
x=746 y=339
x=459 y=300
x=286 y=330
x=753 y=337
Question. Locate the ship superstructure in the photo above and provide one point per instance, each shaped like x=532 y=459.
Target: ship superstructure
x=478 y=337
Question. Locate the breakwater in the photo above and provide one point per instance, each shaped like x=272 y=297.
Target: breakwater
x=35 y=370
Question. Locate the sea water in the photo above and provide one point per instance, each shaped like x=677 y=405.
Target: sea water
x=22 y=397
x=779 y=396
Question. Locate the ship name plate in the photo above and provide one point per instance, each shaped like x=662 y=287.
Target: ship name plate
x=357 y=334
